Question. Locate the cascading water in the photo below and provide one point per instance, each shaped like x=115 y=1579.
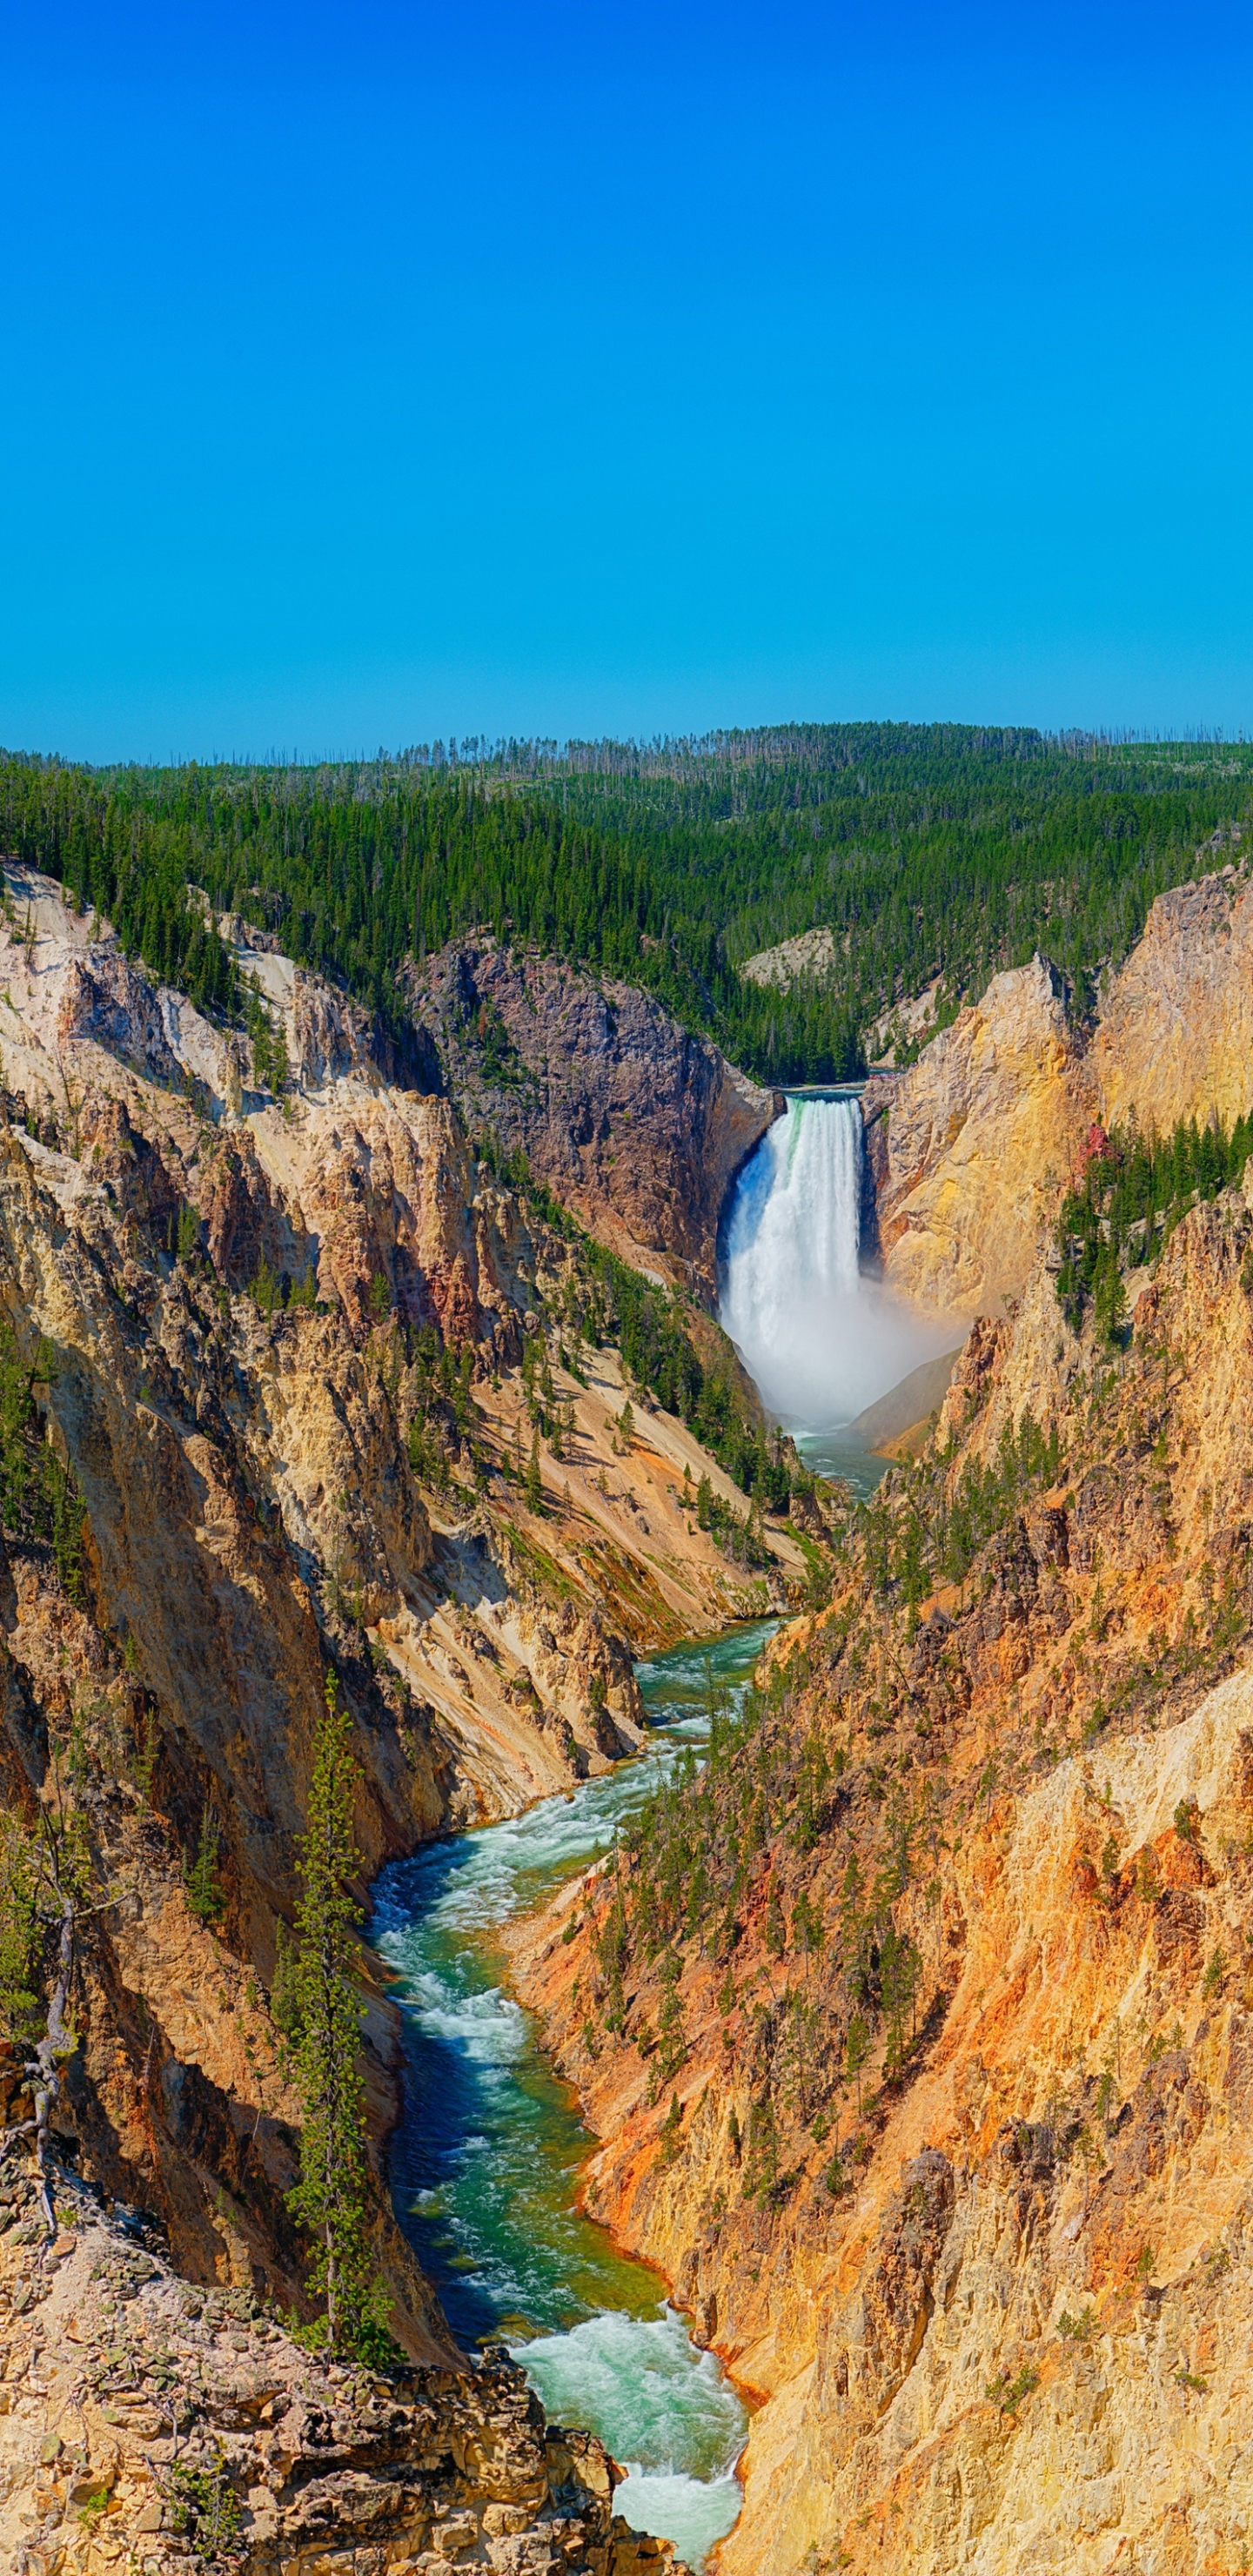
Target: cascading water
x=820 y=1340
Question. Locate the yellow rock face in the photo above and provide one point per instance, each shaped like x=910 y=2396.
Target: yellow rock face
x=1175 y=1038
x=1010 y=2332
x=970 y=1148
x=977 y=1136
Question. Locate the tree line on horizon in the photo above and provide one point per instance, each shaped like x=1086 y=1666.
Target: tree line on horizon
x=927 y=851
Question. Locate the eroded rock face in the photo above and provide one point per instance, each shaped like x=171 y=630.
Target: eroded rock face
x=635 y=1124
x=1175 y=1037
x=1015 y=2336
x=968 y=1147
x=255 y=1515
x=993 y=2281
x=146 y=2420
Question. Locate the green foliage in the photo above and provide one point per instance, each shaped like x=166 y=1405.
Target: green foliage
x=856 y=2052
x=204 y=2510
x=39 y=1498
x=917 y=1532
x=761 y=2163
x=1122 y=1211
x=271 y=1070
x=442 y=1424
x=948 y=850
x=321 y=2005
x=672 y=2131
x=206 y=1896
x=1077 y=2329
x=1008 y=2393
x=266 y=1290
x=18 y=1888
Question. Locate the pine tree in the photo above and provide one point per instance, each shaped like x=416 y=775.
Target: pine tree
x=534 y=1480
x=18 y=1883
x=856 y=2051
x=206 y=1896
x=323 y=2003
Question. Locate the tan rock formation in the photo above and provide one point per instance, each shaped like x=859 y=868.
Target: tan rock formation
x=638 y=1126
x=969 y=1146
x=146 y=2423
x=811 y=953
x=1175 y=1038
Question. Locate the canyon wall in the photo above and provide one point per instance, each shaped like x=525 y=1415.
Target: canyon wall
x=276 y=1352
x=148 y=2424
x=918 y=2039
x=635 y=1124
x=970 y=1147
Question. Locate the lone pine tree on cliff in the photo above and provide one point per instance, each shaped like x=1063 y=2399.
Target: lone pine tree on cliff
x=318 y=2004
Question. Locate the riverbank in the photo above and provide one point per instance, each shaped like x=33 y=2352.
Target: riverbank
x=487 y=2164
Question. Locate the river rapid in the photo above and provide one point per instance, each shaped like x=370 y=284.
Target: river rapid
x=486 y=2164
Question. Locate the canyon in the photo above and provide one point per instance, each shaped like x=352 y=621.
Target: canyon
x=914 y=2030
x=230 y=1320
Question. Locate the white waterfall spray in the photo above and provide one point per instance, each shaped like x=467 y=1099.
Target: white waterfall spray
x=820 y=1340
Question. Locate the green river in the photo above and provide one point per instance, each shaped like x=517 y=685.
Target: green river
x=486 y=2164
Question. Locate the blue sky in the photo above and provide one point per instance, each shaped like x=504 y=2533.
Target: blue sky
x=382 y=372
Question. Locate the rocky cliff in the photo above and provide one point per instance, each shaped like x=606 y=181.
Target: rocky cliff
x=636 y=1125
x=147 y=2424
x=276 y=1351
x=926 y=2074
x=968 y=1148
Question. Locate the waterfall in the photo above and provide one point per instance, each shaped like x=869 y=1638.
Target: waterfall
x=819 y=1339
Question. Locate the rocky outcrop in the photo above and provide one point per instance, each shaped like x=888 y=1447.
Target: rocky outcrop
x=969 y=1146
x=635 y=1124
x=1175 y=1036
x=812 y=953
x=969 y=1149
x=147 y=2422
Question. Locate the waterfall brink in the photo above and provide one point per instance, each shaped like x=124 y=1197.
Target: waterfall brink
x=820 y=1341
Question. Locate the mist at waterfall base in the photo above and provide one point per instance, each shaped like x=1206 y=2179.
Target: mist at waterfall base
x=486 y=2164
x=819 y=1340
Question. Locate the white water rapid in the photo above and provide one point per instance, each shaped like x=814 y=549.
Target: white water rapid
x=819 y=1339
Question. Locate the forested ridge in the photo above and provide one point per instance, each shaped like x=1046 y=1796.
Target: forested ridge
x=926 y=850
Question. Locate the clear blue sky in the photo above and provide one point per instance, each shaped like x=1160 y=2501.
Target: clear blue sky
x=377 y=372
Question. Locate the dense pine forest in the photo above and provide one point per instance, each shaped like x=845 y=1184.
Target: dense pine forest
x=928 y=851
